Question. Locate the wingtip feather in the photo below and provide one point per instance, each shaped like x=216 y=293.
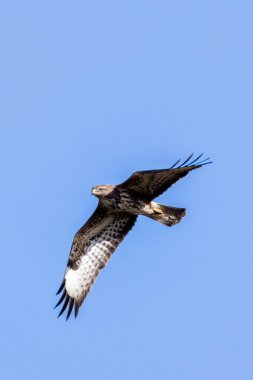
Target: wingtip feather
x=64 y=306
x=76 y=309
x=61 y=299
x=177 y=162
x=61 y=287
x=195 y=162
x=188 y=159
x=71 y=303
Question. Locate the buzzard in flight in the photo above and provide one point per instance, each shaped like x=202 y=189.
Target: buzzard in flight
x=115 y=215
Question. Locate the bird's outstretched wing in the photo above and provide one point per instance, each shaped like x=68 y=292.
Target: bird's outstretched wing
x=152 y=183
x=92 y=248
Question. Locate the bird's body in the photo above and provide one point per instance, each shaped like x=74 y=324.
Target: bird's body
x=116 y=213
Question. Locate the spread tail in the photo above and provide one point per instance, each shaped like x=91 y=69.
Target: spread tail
x=166 y=214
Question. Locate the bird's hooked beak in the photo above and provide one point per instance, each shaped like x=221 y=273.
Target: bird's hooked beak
x=94 y=191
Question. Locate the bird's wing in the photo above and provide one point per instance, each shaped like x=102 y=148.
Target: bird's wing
x=92 y=248
x=151 y=183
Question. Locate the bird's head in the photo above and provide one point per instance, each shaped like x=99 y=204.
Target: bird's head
x=102 y=190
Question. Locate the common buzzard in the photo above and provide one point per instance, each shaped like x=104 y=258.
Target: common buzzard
x=115 y=215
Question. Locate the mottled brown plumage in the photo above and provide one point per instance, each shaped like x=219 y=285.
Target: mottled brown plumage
x=116 y=213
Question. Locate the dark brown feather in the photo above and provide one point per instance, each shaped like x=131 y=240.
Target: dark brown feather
x=61 y=299
x=152 y=183
x=64 y=305
x=71 y=303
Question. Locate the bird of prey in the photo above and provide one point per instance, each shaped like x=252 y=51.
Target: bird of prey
x=115 y=215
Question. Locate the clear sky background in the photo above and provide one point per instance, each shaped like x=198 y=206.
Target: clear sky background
x=90 y=92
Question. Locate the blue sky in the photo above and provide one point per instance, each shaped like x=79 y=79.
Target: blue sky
x=90 y=92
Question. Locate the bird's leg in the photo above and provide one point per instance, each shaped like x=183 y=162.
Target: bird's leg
x=164 y=214
x=152 y=208
x=156 y=207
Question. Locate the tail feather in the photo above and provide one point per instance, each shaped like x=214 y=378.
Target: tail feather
x=167 y=215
